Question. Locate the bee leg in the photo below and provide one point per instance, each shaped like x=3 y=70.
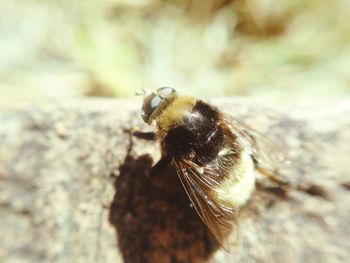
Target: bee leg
x=149 y=136
x=159 y=166
x=273 y=176
x=281 y=192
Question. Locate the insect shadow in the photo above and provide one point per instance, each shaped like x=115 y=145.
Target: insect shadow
x=153 y=219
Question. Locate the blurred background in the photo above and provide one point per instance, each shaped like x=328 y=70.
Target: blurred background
x=284 y=51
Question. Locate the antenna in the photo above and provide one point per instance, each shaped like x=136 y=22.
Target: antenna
x=142 y=93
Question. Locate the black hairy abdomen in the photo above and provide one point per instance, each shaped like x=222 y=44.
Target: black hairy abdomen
x=198 y=135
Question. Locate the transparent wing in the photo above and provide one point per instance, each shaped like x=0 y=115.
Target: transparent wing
x=219 y=216
x=267 y=153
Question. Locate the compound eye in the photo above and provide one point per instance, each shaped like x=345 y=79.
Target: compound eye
x=150 y=103
x=165 y=92
x=155 y=102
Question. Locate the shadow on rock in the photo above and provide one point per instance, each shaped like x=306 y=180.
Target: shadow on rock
x=153 y=218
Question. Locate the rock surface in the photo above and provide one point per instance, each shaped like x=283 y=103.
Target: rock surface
x=74 y=188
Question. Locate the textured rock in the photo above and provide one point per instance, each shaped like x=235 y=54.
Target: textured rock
x=60 y=167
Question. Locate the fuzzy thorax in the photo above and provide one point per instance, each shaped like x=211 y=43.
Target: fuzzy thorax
x=173 y=114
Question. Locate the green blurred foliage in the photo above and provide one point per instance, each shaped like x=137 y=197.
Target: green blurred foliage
x=282 y=51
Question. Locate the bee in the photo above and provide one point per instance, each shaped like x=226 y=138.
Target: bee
x=215 y=156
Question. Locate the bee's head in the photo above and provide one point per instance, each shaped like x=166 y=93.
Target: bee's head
x=155 y=102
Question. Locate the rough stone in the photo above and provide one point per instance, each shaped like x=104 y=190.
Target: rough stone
x=74 y=188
